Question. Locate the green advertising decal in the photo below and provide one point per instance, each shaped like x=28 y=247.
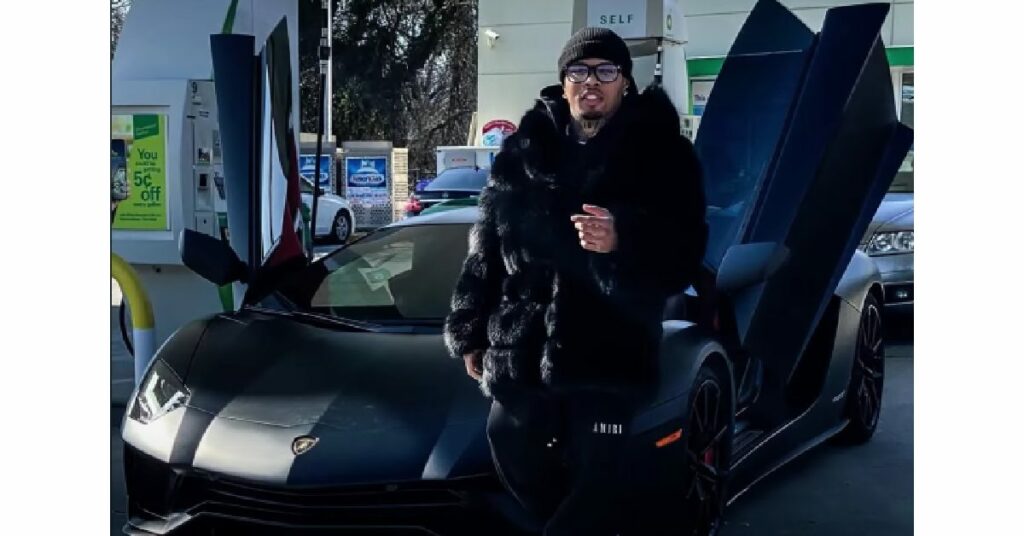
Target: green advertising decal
x=146 y=205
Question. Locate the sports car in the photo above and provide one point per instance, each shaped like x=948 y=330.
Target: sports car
x=327 y=400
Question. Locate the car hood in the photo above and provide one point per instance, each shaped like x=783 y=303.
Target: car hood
x=382 y=407
x=896 y=213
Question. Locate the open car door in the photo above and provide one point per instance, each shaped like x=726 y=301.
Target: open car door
x=256 y=111
x=799 y=141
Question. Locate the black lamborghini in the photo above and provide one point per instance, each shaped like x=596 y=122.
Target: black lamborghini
x=327 y=400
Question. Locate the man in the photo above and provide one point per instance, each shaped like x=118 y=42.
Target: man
x=593 y=216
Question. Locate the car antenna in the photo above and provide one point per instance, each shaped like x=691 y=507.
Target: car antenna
x=325 y=59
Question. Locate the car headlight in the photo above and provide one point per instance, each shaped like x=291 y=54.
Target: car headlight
x=161 y=393
x=888 y=243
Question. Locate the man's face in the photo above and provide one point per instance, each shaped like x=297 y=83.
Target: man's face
x=592 y=98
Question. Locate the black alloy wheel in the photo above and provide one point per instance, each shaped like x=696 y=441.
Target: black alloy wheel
x=864 y=394
x=708 y=450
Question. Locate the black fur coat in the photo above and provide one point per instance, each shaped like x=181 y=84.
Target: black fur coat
x=548 y=312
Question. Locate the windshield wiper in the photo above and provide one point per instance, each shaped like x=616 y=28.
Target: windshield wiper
x=335 y=321
x=432 y=322
x=321 y=320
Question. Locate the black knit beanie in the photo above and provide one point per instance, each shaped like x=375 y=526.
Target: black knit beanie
x=597 y=43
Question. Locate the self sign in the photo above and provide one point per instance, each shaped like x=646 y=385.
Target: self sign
x=616 y=19
x=628 y=18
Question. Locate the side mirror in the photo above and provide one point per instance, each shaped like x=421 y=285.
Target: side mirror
x=746 y=265
x=212 y=259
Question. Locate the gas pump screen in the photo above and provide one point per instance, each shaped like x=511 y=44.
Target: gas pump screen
x=138 y=142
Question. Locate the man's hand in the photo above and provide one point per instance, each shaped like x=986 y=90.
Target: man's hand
x=474 y=364
x=596 y=230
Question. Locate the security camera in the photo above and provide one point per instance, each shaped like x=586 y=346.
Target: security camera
x=492 y=36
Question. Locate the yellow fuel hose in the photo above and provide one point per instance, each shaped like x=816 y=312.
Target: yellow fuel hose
x=142 y=312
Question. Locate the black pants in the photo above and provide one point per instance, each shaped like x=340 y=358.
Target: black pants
x=564 y=458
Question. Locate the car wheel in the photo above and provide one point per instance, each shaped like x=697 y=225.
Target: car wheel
x=864 y=394
x=708 y=452
x=341 y=229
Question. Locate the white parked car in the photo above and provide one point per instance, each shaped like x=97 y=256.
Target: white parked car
x=334 y=215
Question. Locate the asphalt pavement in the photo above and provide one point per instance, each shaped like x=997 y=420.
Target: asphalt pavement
x=830 y=491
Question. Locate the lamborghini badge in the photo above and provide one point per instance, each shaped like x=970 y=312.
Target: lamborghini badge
x=302 y=444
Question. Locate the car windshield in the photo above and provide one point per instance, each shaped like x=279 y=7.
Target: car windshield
x=396 y=275
x=459 y=179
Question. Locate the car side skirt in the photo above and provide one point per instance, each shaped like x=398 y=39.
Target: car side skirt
x=820 y=420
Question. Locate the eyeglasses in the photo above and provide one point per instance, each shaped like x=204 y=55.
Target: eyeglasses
x=605 y=72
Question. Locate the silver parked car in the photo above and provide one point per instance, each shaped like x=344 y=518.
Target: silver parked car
x=890 y=242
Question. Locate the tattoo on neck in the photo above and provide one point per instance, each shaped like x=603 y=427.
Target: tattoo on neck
x=587 y=128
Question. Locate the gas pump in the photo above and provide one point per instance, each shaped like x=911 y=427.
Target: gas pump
x=164 y=112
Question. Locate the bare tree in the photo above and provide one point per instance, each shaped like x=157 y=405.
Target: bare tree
x=118 y=12
x=441 y=101
x=403 y=71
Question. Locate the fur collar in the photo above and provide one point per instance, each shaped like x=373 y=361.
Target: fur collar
x=543 y=130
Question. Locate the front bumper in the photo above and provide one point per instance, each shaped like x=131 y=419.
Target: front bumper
x=897 y=272
x=163 y=499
